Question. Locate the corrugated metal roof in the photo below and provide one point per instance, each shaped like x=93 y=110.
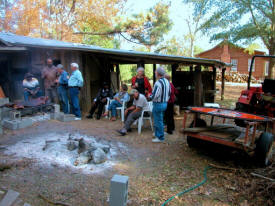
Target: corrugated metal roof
x=15 y=40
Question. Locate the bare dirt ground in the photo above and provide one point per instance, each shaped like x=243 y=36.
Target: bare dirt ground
x=156 y=171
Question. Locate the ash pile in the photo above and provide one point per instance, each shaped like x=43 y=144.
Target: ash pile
x=88 y=152
x=75 y=151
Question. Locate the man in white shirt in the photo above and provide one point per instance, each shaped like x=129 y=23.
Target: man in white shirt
x=75 y=83
x=31 y=87
x=133 y=112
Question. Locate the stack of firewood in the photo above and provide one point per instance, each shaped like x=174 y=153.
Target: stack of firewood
x=235 y=77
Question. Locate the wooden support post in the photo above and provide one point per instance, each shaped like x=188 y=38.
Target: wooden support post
x=214 y=82
x=223 y=82
x=198 y=87
x=141 y=64
x=174 y=69
x=212 y=120
x=118 y=75
x=191 y=68
x=154 y=69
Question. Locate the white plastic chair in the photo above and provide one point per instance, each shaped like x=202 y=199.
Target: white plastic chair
x=147 y=109
x=107 y=105
x=121 y=109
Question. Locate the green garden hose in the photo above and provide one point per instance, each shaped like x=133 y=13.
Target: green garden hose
x=191 y=188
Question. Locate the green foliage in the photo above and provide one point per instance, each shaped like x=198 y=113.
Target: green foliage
x=149 y=28
x=101 y=41
x=128 y=71
x=237 y=20
x=241 y=21
x=173 y=46
x=252 y=47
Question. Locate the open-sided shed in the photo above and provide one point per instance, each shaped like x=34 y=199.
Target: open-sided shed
x=21 y=54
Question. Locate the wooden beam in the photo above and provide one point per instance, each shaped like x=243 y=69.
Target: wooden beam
x=223 y=82
x=141 y=64
x=198 y=86
x=13 y=49
x=154 y=70
x=214 y=81
x=118 y=75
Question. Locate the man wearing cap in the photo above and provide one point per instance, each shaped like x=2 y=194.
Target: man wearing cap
x=160 y=97
x=133 y=112
x=49 y=75
x=31 y=87
x=75 y=83
x=62 y=88
x=100 y=101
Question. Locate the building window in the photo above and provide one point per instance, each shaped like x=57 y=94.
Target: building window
x=249 y=63
x=234 y=63
x=266 y=68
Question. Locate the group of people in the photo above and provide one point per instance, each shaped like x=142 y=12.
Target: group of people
x=163 y=98
x=58 y=85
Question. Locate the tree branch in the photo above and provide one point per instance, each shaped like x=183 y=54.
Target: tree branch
x=133 y=41
x=101 y=34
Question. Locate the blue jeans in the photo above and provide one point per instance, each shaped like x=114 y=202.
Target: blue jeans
x=158 y=112
x=74 y=92
x=112 y=107
x=27 y=95
x=63 y=98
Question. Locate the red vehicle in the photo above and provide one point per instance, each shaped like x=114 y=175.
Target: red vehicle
x=249 y=139
x=257 y=100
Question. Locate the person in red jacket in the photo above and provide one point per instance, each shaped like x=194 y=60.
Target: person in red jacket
x=169 y=113
x=141 y=83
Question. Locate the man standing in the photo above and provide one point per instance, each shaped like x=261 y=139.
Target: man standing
x=160 y=97
x=133 y=112
x=75 y=83
x=169 y=113
x=62 y=88
x=49 y=74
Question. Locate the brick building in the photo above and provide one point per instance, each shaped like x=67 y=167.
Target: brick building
x=238 y=57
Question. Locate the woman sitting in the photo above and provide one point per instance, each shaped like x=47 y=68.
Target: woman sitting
x=141 y=83
x=119 y=98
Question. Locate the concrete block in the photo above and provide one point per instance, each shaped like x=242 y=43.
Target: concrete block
x=56 y=115
x=4 y=113
x=46 y=116
x=15 y=115
x=56 y=108
x=4 y=101
x=9 y=198
x=25 y=122
x=119 y=190
x=66 y=118
x=10 y=124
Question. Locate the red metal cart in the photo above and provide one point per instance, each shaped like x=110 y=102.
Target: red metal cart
x=249 y=139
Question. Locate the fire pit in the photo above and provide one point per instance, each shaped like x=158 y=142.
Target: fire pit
x=75 y=151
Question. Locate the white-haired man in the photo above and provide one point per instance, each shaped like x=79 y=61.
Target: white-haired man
x=160 y=97
x=75 y=83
